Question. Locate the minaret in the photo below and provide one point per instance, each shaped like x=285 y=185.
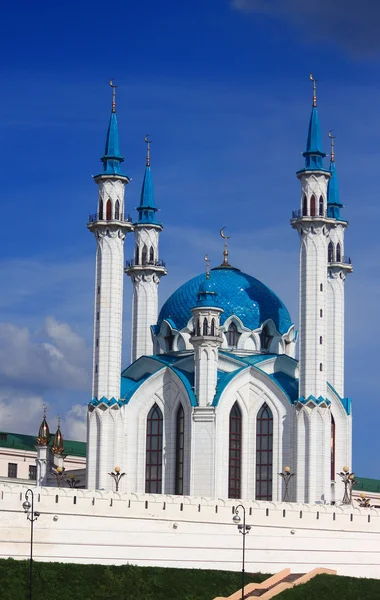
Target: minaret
x=206 y=340
x=110 y=226
x=57 y=447
x=42 y=447
x=338 y=268
x=145 y=269
x=313 y=416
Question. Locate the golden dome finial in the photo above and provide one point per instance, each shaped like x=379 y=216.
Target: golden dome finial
x=225 y=251
x=43 y=437
x=58 y=446
x=332 y=138
x=207 y=261
x=314 y=88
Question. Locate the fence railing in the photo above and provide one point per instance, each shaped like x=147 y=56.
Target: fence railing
x=100 y=217
x=146 y=263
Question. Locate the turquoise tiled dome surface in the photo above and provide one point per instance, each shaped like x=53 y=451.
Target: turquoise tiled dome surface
x=238 y=294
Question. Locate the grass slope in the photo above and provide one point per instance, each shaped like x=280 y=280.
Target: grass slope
x=61 y=581
x=333 y=587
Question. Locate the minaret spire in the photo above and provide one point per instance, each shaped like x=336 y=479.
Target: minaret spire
x=113 y=95
x=148 y=143
x=314 y=154
x=314 y=89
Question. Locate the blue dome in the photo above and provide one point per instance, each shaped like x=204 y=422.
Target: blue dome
x=238 y=294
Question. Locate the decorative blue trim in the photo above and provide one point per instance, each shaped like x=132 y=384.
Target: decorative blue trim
x=106 y=401
x=314 y=154
x=223 y=382
x=311 y=398
x=346 y=402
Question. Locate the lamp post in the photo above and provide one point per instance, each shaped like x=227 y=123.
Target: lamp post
x=286 y=476
x=32 y=516
x=71 y=481
x=364 y=502
x=244 y=529
x=349 y=482
x=116 y=476
x=59 y=474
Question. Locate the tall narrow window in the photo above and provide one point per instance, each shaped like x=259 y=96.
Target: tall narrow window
x=332 y=448
x=117 y=210
x=153 y=464
x=232 y=335
x=144 y=255
x=151 y=255
x=265 y=338
x=212 y=330
x=312 y=206
x=330 y=252
x=321 y=211
x=180 y=450
x=234 y=460
x=101 y=210
x=198 y=327
x=204 y=332
x=264 y=452
x=136 y=255
x=108 y=210
x=304 y=206
x=338 y=253
x=169 y=339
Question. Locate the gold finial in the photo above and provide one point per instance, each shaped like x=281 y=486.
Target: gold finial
x=332 y=138
x=44 y=408
x=59 y=421
x=206 y=258
x=57 y=446
x=113 y=95
x=314 y=88
x=225 y=251
x=148 y=142
x=43 y=437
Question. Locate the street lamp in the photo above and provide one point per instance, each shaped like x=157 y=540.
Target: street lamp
x=349 y=482
x=59 y=474
x=286 y=476
x=116 y=476
x=364 y=502
x=244 y=529
x=32 y=516
x=71 y=481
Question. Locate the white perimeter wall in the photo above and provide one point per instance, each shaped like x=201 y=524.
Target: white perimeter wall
x=104 y=527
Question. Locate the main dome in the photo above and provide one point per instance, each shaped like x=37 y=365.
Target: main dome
x=238 y=294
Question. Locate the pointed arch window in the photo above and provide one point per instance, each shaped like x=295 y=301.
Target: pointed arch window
x=117 y=210
x=100 y=210
x=332 y=448
x=153 y=463
x=304 y=206
x=212 y=330
x=312 y=206
x=136 y=255
x=151 y=255
x=205 y=327
x=232 y=335
x=109 y=210
x=198 y=327
x=180 y=450
x=321 y=206
x=265 y=338
x=330 y=252
x=144 y=255
x=234 y=459
x=264 y=453
x=338 y=253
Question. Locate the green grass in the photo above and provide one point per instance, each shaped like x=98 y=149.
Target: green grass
x=61 y=581
x=333 y=587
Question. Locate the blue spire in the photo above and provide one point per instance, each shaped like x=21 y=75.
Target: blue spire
x=112 y=158
x=147 y=209
x=314 y=154
x=333 y=200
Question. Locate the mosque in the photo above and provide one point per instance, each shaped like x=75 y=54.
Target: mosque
x=215 y=403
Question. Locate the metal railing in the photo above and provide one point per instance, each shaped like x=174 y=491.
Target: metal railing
x=99 y=217
x=147 y=263
x=297 y=214
x=345 y=260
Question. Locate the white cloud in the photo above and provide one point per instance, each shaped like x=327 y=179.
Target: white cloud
x=74 y=423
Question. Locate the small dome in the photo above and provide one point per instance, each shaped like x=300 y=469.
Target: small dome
x=57 y=446
x=237 y=294
x=43 y=433
x=207 y=294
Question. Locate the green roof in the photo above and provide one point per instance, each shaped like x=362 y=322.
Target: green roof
x=367 y=485
x=19 y=441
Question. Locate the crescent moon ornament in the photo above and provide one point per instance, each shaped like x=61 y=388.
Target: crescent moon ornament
x=225 y=237
x=112 y=83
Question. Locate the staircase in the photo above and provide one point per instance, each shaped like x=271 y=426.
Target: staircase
x=276 y=584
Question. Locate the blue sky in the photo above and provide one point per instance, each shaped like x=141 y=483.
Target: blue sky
x=222 y=87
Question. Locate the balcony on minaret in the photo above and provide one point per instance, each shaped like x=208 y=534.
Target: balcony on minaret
x=95 y=217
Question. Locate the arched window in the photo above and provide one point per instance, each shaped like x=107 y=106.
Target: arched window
x=338 y=253
x=234 y=460
x=144 y=255
x=136 y=255
x=179 y=450
x=109 y=210
x=321 y=287
x=117 y=210
x=212 y=330
x=153 y=463
x=320 y=339
x=330 y=252
x=312 y=206
x=169 y=339
x=332 y=448
x=265 y=338
x=101 y=210
x=264 y=451
x=321 y=211
x=198 y=327
x=151 y=255
x=232 y=335
x=205 y=327
x=304 y=206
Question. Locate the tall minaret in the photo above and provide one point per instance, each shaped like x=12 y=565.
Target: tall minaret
x=145 y=269
x=313 y=418
x=110 y=227
x=338 y=268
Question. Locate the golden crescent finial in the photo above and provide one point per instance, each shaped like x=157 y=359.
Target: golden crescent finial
x=312 y=78
x=59 y=420
x=113 y=86
x=207 y=261
x=225 y=251
x=332 y=138
x=225 y=237
x=44 y=409
x=148 y=142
